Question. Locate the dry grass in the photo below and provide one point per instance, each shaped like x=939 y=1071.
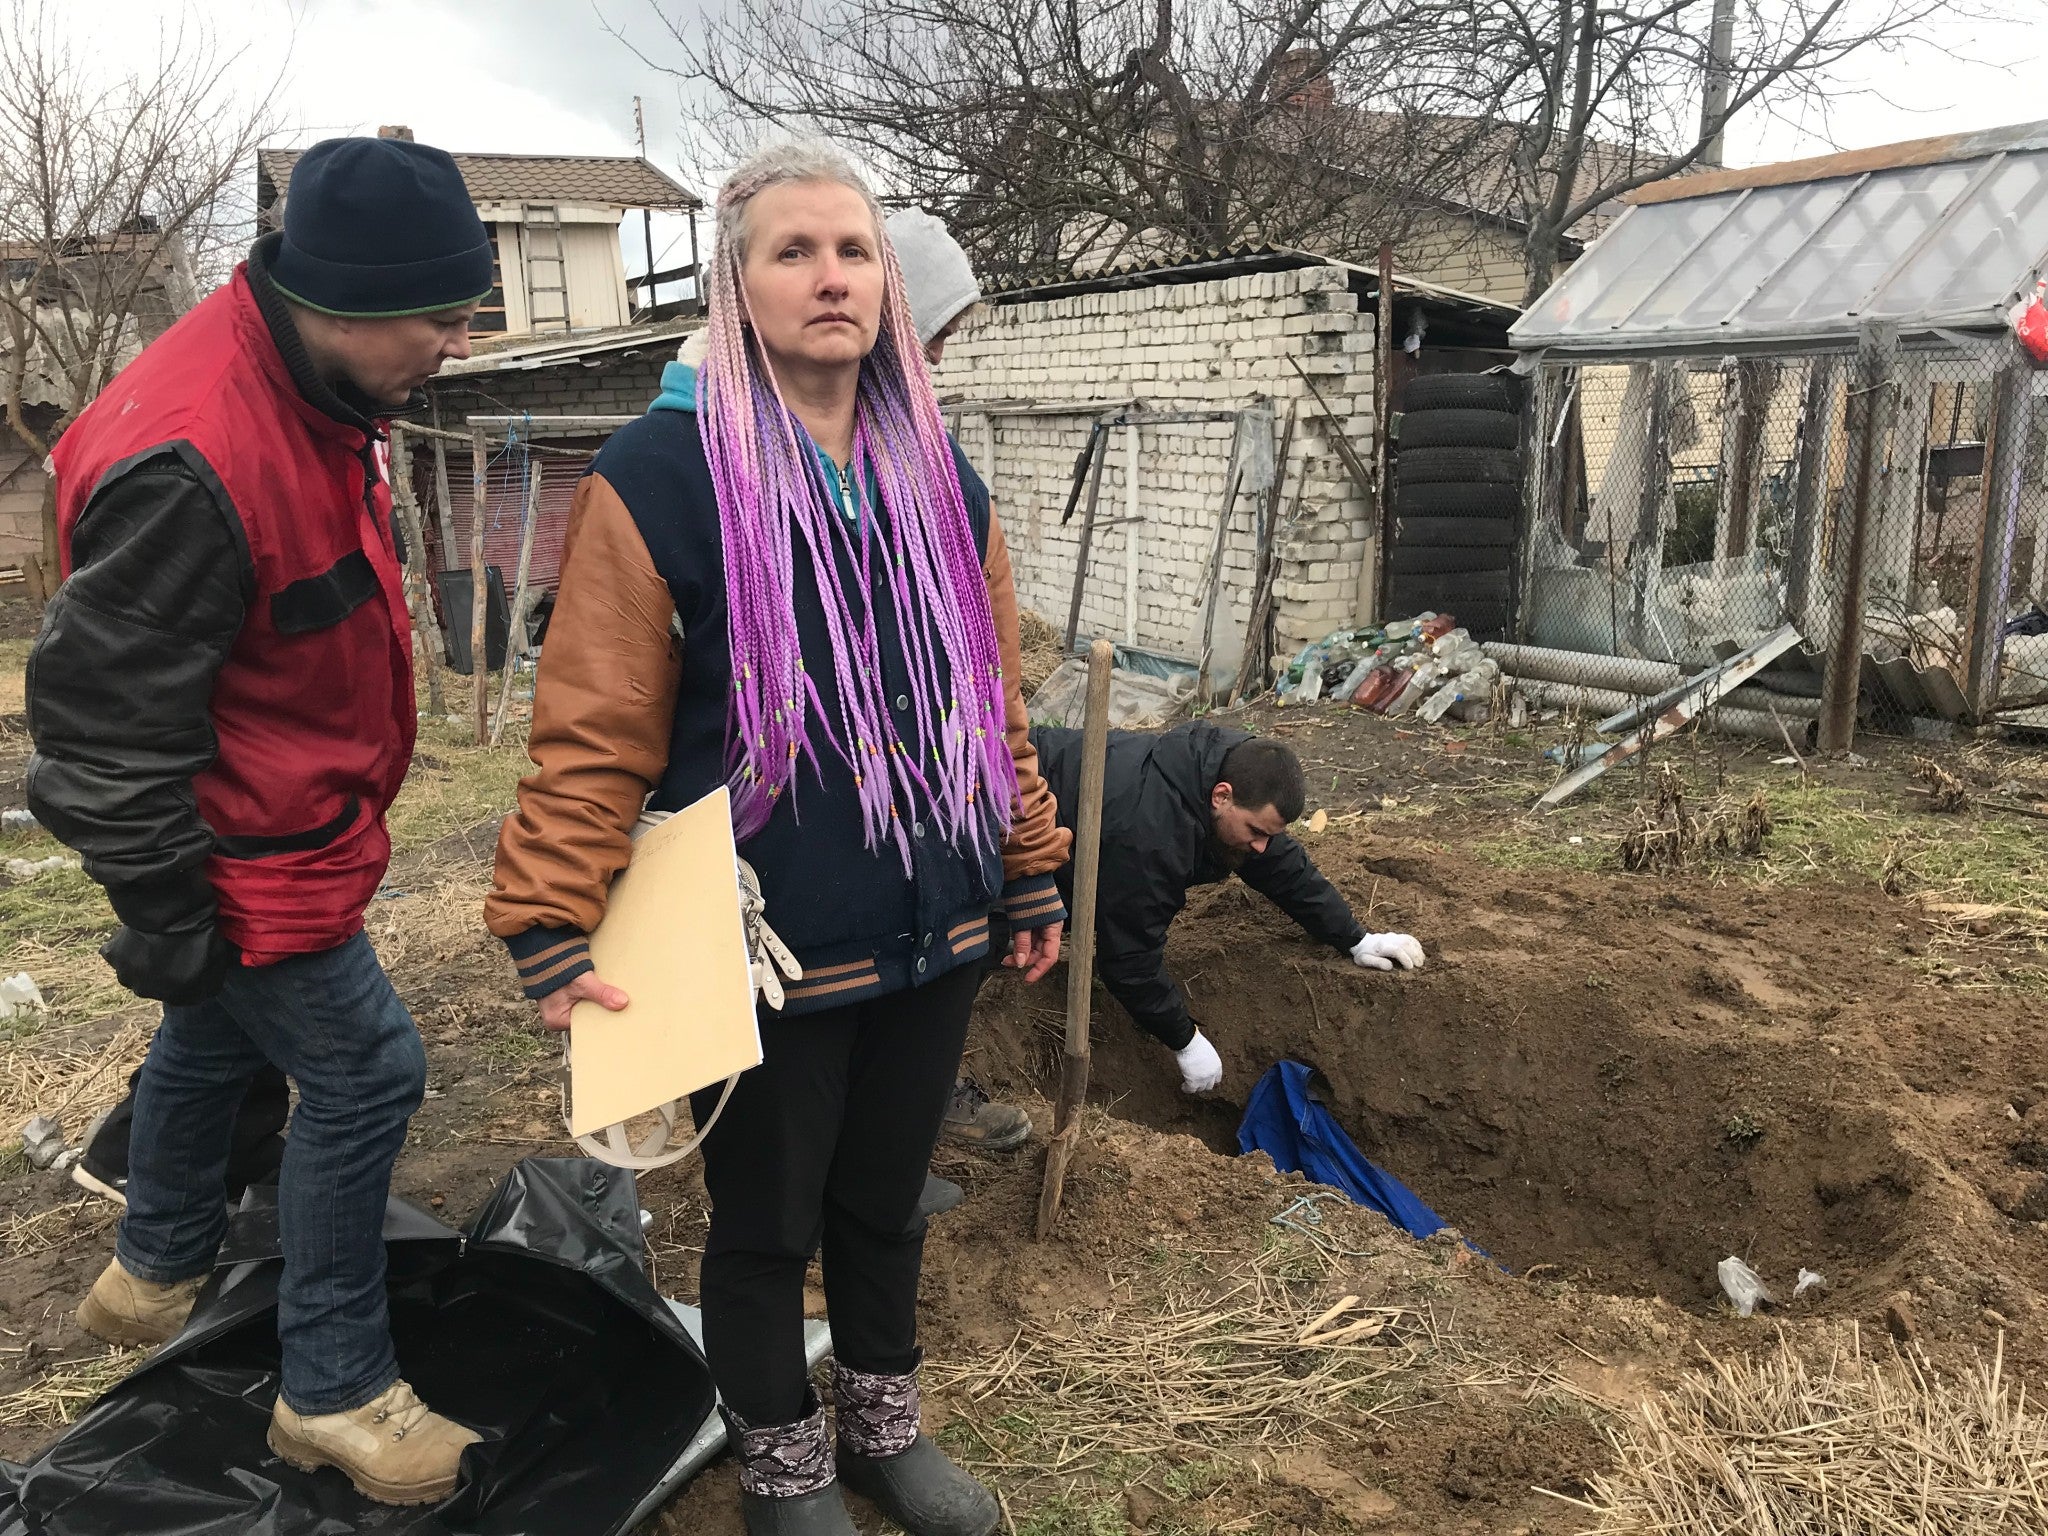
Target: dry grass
x=455 y=784
x=13 y=674
x=1042 y=647
x=1945 y=791
x=74 y=1083
x=1861 y=1447
x=1668 y=835
x=65 y=1391
x=25 y=1234
x=1188 y=1373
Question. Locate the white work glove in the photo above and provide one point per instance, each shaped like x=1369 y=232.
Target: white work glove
x=1200 y=1067
x=1384 y=951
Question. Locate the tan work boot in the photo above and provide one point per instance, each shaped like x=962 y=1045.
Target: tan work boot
x=394 y=1448
x=124 y=1310
x=975 y=1120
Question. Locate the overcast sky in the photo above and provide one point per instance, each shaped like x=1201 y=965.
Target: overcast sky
x=546 y=76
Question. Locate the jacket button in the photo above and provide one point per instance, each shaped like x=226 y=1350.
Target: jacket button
x=917 y=829
x=927 y=941
x=921 y=963
x=903 y=701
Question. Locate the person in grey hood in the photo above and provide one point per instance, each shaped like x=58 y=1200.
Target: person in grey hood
x=1187 y=807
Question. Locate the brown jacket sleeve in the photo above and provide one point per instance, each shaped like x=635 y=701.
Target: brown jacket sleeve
x=1037 y=844
x=603 y=708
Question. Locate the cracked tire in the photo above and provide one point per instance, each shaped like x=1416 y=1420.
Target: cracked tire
x=1451 y=560
x=1464 y=466
x=1469 y=391
x=1463 y=532
x=1457 y=428
x=1454 y=501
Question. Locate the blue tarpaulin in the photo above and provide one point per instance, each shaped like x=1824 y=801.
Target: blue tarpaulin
x=1301 y=1136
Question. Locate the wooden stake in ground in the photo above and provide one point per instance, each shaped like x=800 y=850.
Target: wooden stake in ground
x=1066 y=1125
x=1092 y=458
x=1254 y=664
x=479 y=656
x=427 y=634
x=512 y=645
x=1233 y=478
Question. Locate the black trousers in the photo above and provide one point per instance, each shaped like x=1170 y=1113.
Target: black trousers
x=825 y=1144
x=256 y=1151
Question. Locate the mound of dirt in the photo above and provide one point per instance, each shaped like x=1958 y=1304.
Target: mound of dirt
x=1618 y=1082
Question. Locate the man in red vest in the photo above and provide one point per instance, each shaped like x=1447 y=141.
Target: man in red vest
x=222 y=706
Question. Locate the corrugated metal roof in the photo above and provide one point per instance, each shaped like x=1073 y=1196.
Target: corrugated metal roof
x=626 y=180
x=1208 y=266
x=556 y=351
x=1930 y=243
x=1852 y=162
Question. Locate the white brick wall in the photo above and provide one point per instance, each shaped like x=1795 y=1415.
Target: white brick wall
x=1217 y=345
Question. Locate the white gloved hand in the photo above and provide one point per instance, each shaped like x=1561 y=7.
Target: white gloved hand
x=1200 y=1067
x=1384 y=951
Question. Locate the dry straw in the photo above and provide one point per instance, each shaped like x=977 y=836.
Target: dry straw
x=1861 y=1447
x=1252 y=1368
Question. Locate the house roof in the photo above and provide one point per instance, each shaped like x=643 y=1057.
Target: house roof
x=628 y=181
x=1937 y=235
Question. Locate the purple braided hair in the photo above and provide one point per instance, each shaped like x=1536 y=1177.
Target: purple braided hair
x=772 y=494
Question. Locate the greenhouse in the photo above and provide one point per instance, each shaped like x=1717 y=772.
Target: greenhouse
x=1794 y=393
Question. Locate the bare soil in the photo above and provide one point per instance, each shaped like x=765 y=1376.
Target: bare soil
x=1606 y=1082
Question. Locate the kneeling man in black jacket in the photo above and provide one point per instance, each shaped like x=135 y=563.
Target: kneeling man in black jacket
x=1185 y=807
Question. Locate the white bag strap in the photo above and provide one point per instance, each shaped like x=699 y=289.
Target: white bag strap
x=766 y=954
x=612 y=1144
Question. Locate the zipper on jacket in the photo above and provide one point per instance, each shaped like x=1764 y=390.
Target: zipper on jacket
x=848 y=507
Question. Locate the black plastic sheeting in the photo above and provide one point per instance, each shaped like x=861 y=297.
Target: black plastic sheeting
x=538 y=1328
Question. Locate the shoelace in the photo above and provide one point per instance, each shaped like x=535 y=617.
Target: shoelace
x=405 y=1408
x=968 y=1096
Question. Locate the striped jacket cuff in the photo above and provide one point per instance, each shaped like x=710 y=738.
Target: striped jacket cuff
x=549 y=958
x=1033 y=901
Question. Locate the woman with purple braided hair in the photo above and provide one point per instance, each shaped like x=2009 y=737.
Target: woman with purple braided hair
x=786 y=579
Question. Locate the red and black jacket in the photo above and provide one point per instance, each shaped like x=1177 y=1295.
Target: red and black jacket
x=221 y=695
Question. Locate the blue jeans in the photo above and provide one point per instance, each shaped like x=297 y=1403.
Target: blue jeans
x=331 y=1022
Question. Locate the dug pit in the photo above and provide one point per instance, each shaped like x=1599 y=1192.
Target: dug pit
x=1621 y=1118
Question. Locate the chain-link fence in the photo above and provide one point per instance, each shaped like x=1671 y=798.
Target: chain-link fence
x=1891 y=504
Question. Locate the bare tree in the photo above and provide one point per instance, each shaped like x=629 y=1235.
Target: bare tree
x=1060 y=135
x=1583 y=101
x=120 y=198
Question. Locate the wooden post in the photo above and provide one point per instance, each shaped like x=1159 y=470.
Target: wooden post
x=1543 y=411
x=1870 y=415
x=1131 y=519
x=512 y=646
x=2004 y=466
x=1383 y=428
x=1746 y=401
x=1233 y=479
x=444 y=500
x=1098 y=451
x=479 y=653
x=1066 y=1124
x=1251 y=663
x=1810 y=496
x=427 y=634
x=1648 y=543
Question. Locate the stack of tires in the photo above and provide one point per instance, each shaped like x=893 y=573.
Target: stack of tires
x=1457 y=496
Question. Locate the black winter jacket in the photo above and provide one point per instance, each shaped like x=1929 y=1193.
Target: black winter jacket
x=1156 y=826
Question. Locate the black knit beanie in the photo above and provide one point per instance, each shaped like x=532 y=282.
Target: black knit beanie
x=380 y=227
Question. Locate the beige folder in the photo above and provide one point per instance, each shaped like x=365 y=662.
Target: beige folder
x=671 y=939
